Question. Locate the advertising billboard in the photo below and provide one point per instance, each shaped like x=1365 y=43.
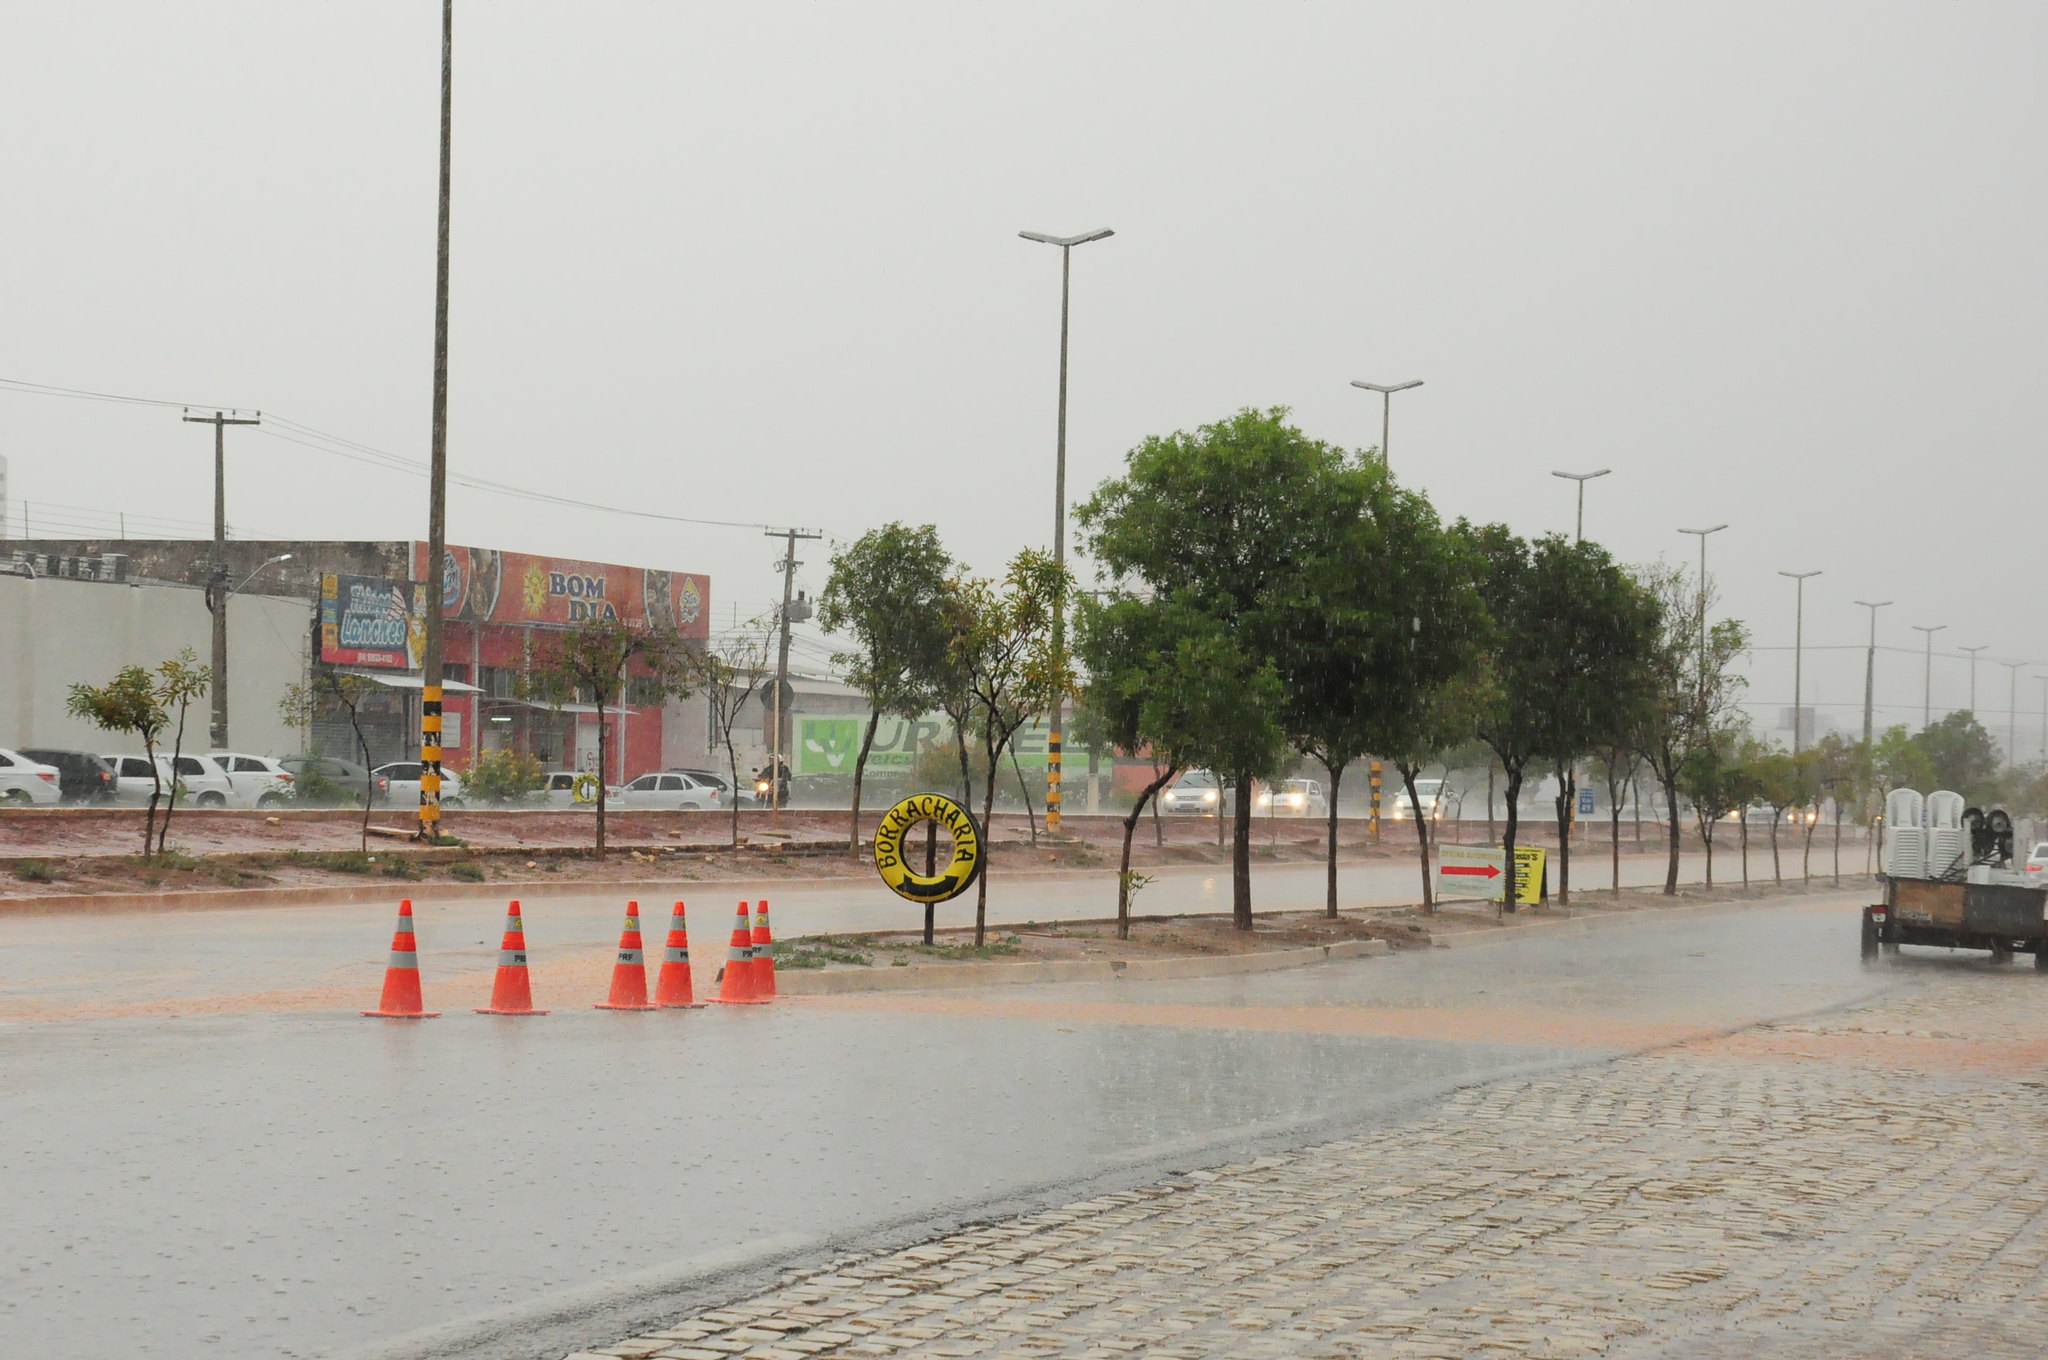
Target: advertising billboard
x=484 y=585
x=371 y=621
x=830 y=745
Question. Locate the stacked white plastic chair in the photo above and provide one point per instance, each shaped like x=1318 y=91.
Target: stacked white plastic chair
x=1905 y=845
x=1948 y=844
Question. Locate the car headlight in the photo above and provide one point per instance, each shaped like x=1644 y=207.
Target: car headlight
x=1208 y=795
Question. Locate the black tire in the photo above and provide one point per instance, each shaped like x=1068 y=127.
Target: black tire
x=454 y=803
x=1870 y=942
x=17 y=798
x=2000 y=954
x=2041 y=959
x=268 y=800
x=212 y=800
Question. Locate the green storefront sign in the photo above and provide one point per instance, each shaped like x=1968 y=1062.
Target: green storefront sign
x=832 y=745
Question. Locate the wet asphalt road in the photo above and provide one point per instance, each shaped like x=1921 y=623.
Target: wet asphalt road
x=315 y=1184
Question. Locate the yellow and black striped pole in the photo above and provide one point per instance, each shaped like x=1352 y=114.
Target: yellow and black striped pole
x=430 y=761
x=1375 y=802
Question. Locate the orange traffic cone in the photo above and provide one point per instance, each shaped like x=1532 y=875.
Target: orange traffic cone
x=673 y=989
x=629 y=974
x=764 y=954
x=401 y=999
x=738 y=987
x=511 y=991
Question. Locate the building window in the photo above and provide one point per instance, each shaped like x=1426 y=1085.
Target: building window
x=456 y=671
x=497 y=681
x=643 y=691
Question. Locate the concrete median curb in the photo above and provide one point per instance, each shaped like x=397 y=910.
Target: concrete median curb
x=840 y=982
x=1581 y=925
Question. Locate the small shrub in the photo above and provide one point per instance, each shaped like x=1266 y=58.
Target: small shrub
x=398 y=866
x=502 y=777
x=35 y=871
x=468 y=870
x=817 y=953
x=346 y=861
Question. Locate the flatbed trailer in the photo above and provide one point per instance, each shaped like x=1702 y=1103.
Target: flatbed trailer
x=2006 y=919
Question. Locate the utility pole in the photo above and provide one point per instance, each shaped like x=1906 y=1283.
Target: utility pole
x=1798 y=651
x=217 y=578
x=787 y=566
x=1927 y=675
x=2012 y=712
x=437 y=474
x=1870 y=666
x=1973 y=673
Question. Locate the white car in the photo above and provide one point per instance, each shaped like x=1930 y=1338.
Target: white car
x=401 y=786
x=257 y=781
x=25 y=782
x=206 y=784
x=669 y=790
x=572 y=789
x=1429 y=791
x=2036 y=867
x=1294 y=798
x=1195 y=792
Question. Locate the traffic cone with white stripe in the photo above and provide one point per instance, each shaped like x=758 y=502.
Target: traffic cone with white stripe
x=764 y=954
x=629 y=974
x=401 y=999
x=674 y=989
x=737 y=989
x=511 y=990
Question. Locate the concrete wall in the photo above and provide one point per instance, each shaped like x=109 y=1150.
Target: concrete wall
x=56 y=633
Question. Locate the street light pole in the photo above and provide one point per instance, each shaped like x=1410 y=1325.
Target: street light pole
x=1927 y=676
x=2044 y=717
x=1870 y=665
x=437 y=473
x=1386 y=391
x=1059 y=518
x=1579 y=534
x=217 y=578
x=2012 y=711
x=1799 y=579
x=1973 y=674
x=1703 y=596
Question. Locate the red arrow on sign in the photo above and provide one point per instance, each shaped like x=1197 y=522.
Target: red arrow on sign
x=1475 y=870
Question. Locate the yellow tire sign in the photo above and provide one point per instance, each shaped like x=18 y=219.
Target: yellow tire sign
x=956 y=876
x=584 y=788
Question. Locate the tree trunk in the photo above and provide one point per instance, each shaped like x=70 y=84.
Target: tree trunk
x=363 y=745
x=1706 y=841
x=1742 y=826
x=732 y=765
x=1806 y=855
x=156 y=792
x=1240 y=852
x=1158 y=827
x=1123 y=873
x=163 y=830
x=1336 y=773
x=860 y=769
x=988 y=810
x=1838 y=843
x=966 y=775
x=1567 y=790
x=1776 y=876
x=1024 y=790
x=1670 y=781
x=1408 y=773
x=1614 y=825
x=1507 y=841
x=1489 y=802
x=602 y=764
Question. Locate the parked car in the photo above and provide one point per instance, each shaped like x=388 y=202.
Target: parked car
x=1196 y=792
x=329 y=779
x=258 y=781
x=721 y=782
x=572 y=788
x=25 y=782
x=84 y=777
x=1294 y=798
x=399 y=785
x=203 y=783
x=668 y=790
x=2036 y=866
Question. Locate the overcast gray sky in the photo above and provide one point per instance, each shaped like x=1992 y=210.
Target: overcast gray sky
x=1778 y=265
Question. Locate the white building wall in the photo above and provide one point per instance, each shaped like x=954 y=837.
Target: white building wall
x=56 y=633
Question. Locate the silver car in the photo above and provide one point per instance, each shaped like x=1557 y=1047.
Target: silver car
x=1197 y=792
x=669 y=790
x=400 y=785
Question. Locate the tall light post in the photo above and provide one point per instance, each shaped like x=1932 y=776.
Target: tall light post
x=1386 y=391
x=1579 y=534
x=437 y=471
x=2044 y=717
x=1059 y=519
x=1973 y=673
x=1799 y=579
x=1703 y=533
x=2012 y=711
x=1927 y=675
x=1870 y=665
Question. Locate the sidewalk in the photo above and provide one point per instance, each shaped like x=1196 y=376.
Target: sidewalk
x=1870 y=1184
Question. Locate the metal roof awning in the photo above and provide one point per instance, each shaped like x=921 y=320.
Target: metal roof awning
x=414 y=682
x=556 y=708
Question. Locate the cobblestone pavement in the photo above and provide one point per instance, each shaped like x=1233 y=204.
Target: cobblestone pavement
x=1868 y=1185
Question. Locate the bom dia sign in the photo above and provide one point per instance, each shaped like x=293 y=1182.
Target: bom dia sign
x=484 y=585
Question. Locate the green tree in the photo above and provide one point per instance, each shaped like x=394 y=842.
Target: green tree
x=1961 y=756
x=1692 y=687
x=593 y=663
x=1899 y=762
x=141 y=701
x=1381 y=619
x=1745 y=786
x=1002 y=640
x=729 y=670
x=503 y=776
x=887 y=593
x=1221 y=520
x=1711 y=783
x=1433 y=724
x=333 y=692
x=1163 y=679
x=1778 y=783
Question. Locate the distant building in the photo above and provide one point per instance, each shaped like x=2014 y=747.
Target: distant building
x=365 y=614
